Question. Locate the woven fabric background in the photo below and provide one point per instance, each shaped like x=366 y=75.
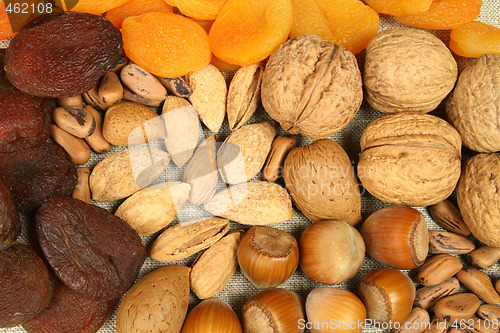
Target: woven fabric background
x=239 y=289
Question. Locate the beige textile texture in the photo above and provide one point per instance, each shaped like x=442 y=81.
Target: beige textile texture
x=239 y=289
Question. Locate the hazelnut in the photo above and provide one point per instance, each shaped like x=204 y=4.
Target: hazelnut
x=212 y=315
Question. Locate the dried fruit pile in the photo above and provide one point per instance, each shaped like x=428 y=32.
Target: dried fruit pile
x=125 y=87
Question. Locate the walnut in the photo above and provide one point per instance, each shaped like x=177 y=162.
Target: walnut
x=410 y=159
x=312 y=87
x=479 y=199
x=474 y=108
x=408 y=70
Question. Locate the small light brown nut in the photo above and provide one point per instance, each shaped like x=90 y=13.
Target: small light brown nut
x=448 y=242
x=91 y=97
x=417 y=322
x=489 y=312
x=213 y=269
x=74 y=120
x=120 y=63
x=208 y=95
x=97 y=141
x=143 y=83
x=273 y=168
x=437 y=326
x=485 y=256
x=187 y=238
x=76 y=101
x=437 y=269
x=447 y=216
x=78 y=151
x=480 y=284
x=82 y=188
x=176 y=86
x=129 y=95
x=243 y=95
x=457 y=307
x=497 y=286
x=110 y=89
x=476 y=325
x=428 y=296
x=453 y=329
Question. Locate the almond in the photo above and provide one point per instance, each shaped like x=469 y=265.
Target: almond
x=252 y=203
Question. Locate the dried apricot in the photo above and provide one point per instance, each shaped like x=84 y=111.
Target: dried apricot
x=69 y=311
x=200 y=9
x=475 y=39
x=89 y=6
x=73 y=50
x=135 y=8
x=398 y=7
x=165 y=44
x=308 y=19
x=352 y=23
x=10 y=225
x=248 y=31
x=444 y=14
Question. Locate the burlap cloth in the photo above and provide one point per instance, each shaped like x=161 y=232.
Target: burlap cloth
x=239 y=289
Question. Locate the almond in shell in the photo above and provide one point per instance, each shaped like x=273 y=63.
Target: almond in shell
x=123 y=173
x=252 y=203
x=153 y=208
x=187 y=238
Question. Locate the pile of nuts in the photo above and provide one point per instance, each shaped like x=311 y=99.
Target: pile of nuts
x=310 y=87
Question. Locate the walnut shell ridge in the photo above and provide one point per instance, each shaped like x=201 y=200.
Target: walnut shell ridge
x=407 y=70
x=410 y=159
x=474 y=108
x=321 y=181
x=478 y=197
x=311 y=87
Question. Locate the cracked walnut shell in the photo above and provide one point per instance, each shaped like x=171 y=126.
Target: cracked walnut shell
x=474 y=108
x=478 y=197
x=408 y=70
x=410 y=159
x=311 y=87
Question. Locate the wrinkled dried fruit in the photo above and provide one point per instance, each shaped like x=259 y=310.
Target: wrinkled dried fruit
x=475 y=39
x=24 y=119
x=10 y=225
x=89 y=6
x=73 y=50
x=69 y=311
x=24 y=285
x=92 y=251
x=36 y=174
x=201 y=9
x=398 y=7
x=135 y=8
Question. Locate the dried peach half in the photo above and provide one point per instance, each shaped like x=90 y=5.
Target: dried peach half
x=308 y=19
x=89 y=6
x=248 y=31
x=165 y=44
x=475 y=39
x=399 y=7
x=135 y=8
x=444 y=14
x=200 y=9
x=352 y=23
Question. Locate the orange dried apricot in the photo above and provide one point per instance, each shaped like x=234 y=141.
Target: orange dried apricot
x=89 y=6
x=398 y=7
x=475 y=39
x=308 y=19
x=248 y=31
x=444 y=14
x=200 y=9
x=135 y=8
x=172 y=3
x=165 y=44
x=205 y=24
x=352 y=23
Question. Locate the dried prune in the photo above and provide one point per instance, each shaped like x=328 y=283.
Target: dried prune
x=25 y=288
x=10 y=226
x=62 y=54
x=36 y=174
x=24 y=119
x=92 y=251
x=70 y=312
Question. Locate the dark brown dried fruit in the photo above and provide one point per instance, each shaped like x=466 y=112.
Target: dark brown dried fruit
x=73 y=50
x=92 y=251
x=24 y=285
x=36 y=174
x=70 y=312
x=10 y=226
x=24 y=119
